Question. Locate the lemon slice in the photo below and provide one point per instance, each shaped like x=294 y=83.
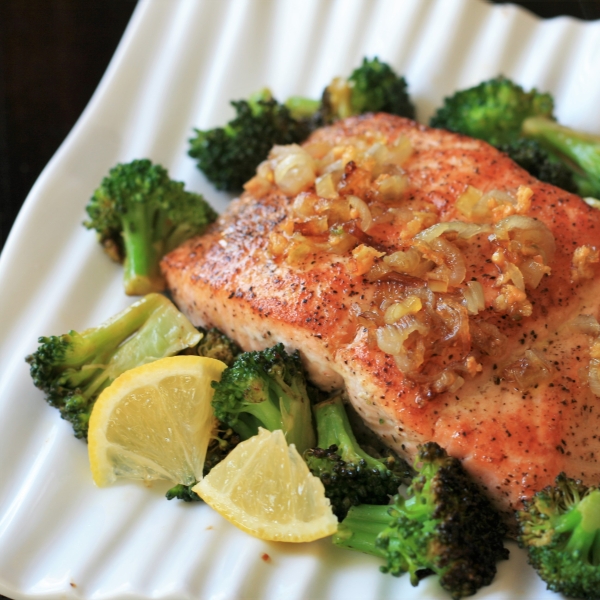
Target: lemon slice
x=265 y=488
x=154 y=422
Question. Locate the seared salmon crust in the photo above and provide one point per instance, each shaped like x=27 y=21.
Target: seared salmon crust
x=516 y=413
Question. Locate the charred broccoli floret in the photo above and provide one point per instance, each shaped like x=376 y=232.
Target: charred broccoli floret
x=560 y=529
x=140 y=214
x=221 y=444
x=72 y=369
x=266 y=389
x=536 y=160
x=228 y=156
x=580 y=151
x=493 y=111
x=444 y=525
x=215 y=344
x=183 y=492
x=372 y=87
x=350 y=475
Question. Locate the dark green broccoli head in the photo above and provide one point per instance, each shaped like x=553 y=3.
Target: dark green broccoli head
x=72 y=369
x=224 y=440
x=266 y=389
x=450 y=527
x=537 y=161
x=493 y=111
x=350 y=475
x=560 y=529
x=215 y=344
x=372 y=87
x=229 y=155
x=183 y=492
x=140 y=214
x=444 y=525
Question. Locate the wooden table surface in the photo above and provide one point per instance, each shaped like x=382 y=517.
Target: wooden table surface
x=52 y=56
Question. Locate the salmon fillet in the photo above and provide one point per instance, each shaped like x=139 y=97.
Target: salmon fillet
x=468 y=334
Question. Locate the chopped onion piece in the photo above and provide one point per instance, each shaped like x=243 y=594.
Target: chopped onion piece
x=464 y=230
x=265 y=170
x=466 y=202
x=396 y=311
x=391 y=338
x=530 y=370
x=528 y=235
x=438 y=286
x=305 y=205
x=391 y=187
x=400 y=151
x=365 y=258
x=514 y=274
x=295 y=171
x=408 y=262
x=474 y=297
x=325 y=186
x=361 y=211
x=454 y=269
x=458 y=383
x=533 y=270
x=487 y=338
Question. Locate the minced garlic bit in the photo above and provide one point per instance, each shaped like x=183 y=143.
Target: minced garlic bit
x=584 y=259
x=494 y=205
x=513 y=301
x=364 y=257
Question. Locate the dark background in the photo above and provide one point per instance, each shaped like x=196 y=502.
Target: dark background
x=52 y=56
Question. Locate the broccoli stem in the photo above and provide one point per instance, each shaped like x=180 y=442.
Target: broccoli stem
x=141 y=269
x=302 y=108
x=581 y=151
x=359 y=530
x=267 y=414
x=584 y=524
x=333 y=428
x=295 y=415
x=96 y=345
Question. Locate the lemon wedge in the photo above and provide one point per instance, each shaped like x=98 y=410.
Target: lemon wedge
x=265 y=488
x=154 y=422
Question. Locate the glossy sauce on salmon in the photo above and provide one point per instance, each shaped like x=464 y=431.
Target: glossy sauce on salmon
x=437 y=281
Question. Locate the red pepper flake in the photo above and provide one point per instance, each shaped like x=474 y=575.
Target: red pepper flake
x=266 y=557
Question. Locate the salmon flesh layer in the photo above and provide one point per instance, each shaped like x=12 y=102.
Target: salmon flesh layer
x=453 y=295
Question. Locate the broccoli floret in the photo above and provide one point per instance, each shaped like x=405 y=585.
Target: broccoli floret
x=266 y=389
x=536 y=160
x=372 y=87
x=222 y=442
x=580 y=151
x=215 y=344
x=183 y=492
x=140 y=214
x=444 y=526
x=492 y=111
x=350 y=475
x=72 y=369
x=229 y=155
x=560 y=529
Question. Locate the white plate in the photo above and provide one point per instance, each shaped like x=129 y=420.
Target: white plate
x=179 y=63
